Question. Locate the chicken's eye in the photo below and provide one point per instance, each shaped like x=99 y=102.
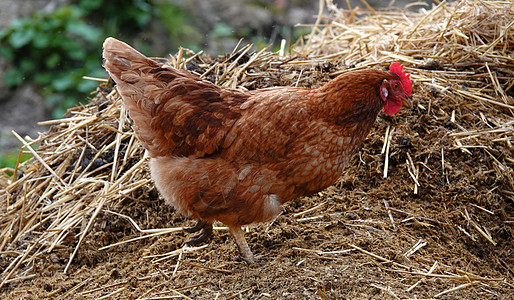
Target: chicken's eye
x=395 y=86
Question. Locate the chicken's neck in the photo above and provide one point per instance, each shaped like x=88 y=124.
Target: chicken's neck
x=348 y=111
x=350 y=106
x=353 y=96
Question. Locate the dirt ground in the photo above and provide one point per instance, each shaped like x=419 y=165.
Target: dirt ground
x=439 y=225
x=358 y=243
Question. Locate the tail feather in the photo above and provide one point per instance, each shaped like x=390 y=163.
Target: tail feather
x=120 y=57
x=127 y=67
x=174 y=112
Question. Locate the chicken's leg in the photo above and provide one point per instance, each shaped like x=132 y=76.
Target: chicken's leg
x=244 y=250
x=205 y=229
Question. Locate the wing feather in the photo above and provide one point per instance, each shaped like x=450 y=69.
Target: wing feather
x=175 y=113
x=270 y=126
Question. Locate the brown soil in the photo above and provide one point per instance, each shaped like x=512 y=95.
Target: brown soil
x=353 y=214
x=368 y=237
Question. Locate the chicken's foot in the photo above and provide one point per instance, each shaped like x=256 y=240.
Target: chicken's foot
x=199 y=226
x=244 y=249
x=205 y=229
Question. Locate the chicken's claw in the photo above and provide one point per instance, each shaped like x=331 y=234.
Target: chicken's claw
x=199 y=226
x=205 y=229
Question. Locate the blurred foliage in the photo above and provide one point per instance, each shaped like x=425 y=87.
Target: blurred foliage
x=54 y=50
x=177 y=22
x=117 y=16
x=9 y=159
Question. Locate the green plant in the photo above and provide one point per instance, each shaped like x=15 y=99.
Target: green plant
x=53 y=50
x=176 y=21
x=10 y=158
x=117 y=17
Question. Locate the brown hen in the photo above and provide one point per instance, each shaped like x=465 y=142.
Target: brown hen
x=235 y=156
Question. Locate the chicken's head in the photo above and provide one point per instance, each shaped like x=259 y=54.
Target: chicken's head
x=395 y=92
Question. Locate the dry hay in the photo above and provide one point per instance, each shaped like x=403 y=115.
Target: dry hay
x=425 y=210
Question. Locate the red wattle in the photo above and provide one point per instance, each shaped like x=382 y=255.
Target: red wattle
x=391 y=107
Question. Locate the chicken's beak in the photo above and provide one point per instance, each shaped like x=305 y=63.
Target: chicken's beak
x=406 y=101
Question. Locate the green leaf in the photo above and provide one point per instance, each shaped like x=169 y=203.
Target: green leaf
x=66 y=13
x=41 y=40
x=142 y=5
x=69 y=101
x=4 y=32
x=26 y=66
x=222 y=30
x=142 y=13
x=90 y=5
x=54 y=99
x=19 y=39
x=142 y=19
x=50 y=26
x=88 y=33
x=7 y=52
x=19 y=24
x=13 y=77
x=10 y=158
x=53 y=60
x=73 y=49
x=86 y=86
x=63 y=83
x=77 y=53
x=43 y=78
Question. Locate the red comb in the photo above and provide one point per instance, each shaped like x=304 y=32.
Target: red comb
x=397 y=69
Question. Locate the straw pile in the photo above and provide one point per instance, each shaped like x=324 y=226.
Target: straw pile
x=447 y=164
x=460 y=56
